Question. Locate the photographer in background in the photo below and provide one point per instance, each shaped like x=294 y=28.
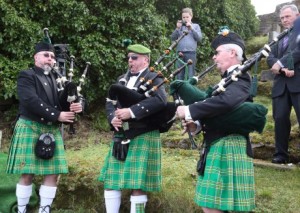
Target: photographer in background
x=187 y=46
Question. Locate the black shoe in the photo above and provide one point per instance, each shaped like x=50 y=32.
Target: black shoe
x=45 y=209
x=279 y=160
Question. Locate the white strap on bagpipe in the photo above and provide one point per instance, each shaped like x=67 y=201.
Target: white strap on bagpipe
x=221 y=85
x=114 y=102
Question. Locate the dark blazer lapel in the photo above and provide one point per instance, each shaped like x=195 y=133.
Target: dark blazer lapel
x=292 y=40
x=54 y=88
x=43 y=79
x=280 y=48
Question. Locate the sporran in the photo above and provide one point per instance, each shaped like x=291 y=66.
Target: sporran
x=45 y=146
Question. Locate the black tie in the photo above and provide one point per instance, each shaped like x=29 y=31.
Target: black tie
x=49 y=81
x=224 y=74
x=130 y=74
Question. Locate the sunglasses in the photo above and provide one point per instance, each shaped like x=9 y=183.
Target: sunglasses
x=133 y=57
x=47 y=55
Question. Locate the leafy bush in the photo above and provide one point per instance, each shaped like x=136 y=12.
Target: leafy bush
x=95 y=29
x=256 y=43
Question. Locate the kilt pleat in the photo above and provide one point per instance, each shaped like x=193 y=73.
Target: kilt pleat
x=140 y=170
x=22 y=160
x=228 y=180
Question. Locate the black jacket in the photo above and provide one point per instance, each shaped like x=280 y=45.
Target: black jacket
x=38 y=99
x=144 y=109
x=278 y=53
x=236 y=93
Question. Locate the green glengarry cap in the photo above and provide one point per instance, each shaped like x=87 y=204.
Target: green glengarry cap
x=138 y=48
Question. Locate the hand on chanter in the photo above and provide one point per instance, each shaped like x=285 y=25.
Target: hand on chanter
x=66 y=117
x=117 y=123
x=188 y=125
x=76 y=107
x=180 y=112
x=123 y=114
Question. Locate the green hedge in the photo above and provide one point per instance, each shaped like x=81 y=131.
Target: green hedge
x=95 y=29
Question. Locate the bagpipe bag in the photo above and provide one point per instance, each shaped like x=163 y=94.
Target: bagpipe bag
x=246 y=118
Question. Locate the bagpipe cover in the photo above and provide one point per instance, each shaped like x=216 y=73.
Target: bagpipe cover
x=127 y=97
x=248 y=117
x=187 y=92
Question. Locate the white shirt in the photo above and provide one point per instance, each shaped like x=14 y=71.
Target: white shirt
x=130 y=85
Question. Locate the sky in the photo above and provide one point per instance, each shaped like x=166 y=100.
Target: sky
x=266 y=6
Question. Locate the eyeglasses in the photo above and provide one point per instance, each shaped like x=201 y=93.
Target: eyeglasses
x=217 y=52
x=133 y=57
x=47 y=55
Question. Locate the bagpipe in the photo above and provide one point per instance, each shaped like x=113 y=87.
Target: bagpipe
x=125 y=97
x=121 y=96
x=68 y=91
x=246 y=118
x=119 y=93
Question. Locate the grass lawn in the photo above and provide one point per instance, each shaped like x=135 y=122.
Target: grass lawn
x=276 y=190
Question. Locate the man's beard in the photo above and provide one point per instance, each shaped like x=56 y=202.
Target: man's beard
x=47 y=69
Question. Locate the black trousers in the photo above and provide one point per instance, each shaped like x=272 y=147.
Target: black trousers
x=282 y=107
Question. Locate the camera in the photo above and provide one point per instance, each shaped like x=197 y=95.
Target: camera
x=183 y=22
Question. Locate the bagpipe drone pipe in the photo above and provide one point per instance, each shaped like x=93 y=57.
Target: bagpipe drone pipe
x=246 y=118
x=145 y=82
x=68 y=90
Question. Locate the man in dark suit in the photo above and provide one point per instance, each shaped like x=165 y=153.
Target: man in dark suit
x=40 y=113
x=284 y=61
x=139 y=169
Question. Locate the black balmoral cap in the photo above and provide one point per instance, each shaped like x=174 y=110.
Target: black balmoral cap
x=227 y=37
x=43 y=46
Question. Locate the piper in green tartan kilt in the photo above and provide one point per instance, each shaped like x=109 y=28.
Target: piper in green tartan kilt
x=37 y=147
x=22 y=159
x=143 y=160
x=135 y=165
x=226 y=174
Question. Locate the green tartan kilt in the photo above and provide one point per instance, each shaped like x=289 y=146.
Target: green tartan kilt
x=140 y=170
x=228 y=180
x=22 y=160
